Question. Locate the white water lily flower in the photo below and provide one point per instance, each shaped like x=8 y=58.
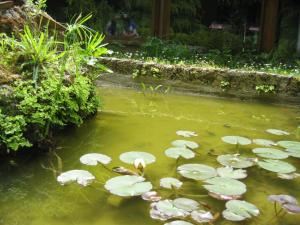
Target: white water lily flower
x=139 y=163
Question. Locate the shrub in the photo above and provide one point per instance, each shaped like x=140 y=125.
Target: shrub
x=57 y=85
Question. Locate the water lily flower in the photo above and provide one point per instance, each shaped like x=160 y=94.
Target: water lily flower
x=139 y=164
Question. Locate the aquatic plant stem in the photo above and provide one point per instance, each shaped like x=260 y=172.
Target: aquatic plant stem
x=105 y=167
x=190 y=195
x=275 y=208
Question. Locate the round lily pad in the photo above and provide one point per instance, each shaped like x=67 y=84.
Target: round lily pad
x=229 y=172
x=228 y=215
x=288 y=176
x=237 y=210
x=185 y=133
x=165 y=209
x=224 y=197
x=197 y=171
x=92 y=159
x=131 y=157
x=178 y=222
x=270 y=153
x=177 y=152
x=170 y=182
x=235 y=161
x=291 y=208
x=127 y=186
x=236 y=140
x=82 y=177
x=264 y=142
x=277 y=132
x=293 y=152
x=289 y=144
x=151 y=196
x=202 y=216
x=184 y=143
x=225 y=186
x=276 y=166
x=186 y=204
x=283 y=199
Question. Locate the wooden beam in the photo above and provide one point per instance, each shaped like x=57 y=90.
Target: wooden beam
x=269 y=25
x=161 y=13
x=298 y=41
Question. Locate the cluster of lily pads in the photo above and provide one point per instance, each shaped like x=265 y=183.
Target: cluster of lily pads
x=222 y=183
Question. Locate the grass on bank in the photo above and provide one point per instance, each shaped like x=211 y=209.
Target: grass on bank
x=281 y=61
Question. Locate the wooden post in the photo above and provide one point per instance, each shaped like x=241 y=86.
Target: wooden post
x=161 y=13
x=269 y=25
x=298 y=41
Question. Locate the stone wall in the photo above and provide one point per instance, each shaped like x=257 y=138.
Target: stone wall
x=221 y=82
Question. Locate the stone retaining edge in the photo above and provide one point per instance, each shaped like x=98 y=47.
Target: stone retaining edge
x=221 y=82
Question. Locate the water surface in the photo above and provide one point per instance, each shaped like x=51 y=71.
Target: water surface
x=30 y=195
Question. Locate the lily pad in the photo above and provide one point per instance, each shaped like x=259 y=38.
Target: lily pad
x=293 y=152
x=224 y=197
x=270 y=153
x=225 y=186
x=185 y=133
x=264 y=142
x=180 y=152
x=276 y=166
x=202 y=216
x=235 y=161
x=291 y=208
x=283 y=199
x=93 y=159
x=229 y=172
x=186 y=204
x=151 y=196
x=184 y=143
x=178 y=222
x=127 y=186
x=165 y=209
x=131 y=157
x=236 y=140
x=228 y=215
x=288 y=176
x=277 y=132
x=170 y=182
x=237 y=210
x=289 y=144
x=287 y=202
x=124 y=171
x=197 y=171
x=82 y=177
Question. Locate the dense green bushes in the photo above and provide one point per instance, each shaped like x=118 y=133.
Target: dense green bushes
x=56 y=87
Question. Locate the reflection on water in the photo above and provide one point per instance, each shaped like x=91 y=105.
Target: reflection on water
x=29 y=194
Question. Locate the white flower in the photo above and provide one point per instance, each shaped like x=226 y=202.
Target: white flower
x=139 y=163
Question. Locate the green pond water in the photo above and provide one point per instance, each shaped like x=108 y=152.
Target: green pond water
x=30 y=194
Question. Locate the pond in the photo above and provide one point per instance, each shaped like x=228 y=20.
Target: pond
x=132 y=121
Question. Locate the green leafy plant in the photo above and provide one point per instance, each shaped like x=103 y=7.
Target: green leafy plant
x=11 y=132
x=225 y=85
x=36 y=50
x=265 y=88
x=56 y=88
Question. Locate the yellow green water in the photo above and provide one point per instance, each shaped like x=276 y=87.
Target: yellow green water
x=30 y=195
